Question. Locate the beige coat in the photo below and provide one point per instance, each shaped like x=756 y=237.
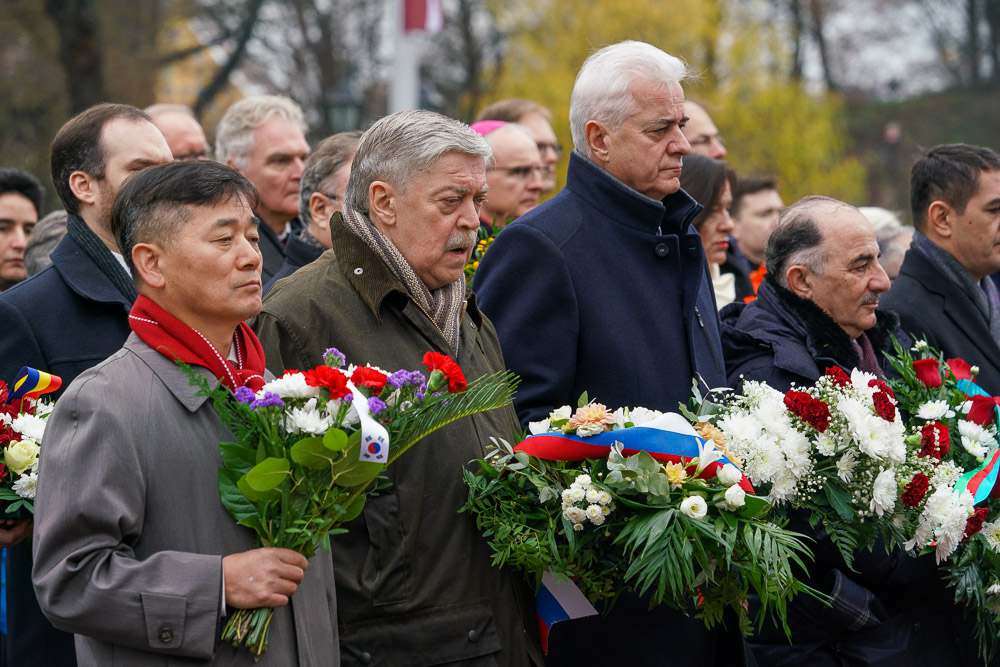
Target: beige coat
x=130 y=531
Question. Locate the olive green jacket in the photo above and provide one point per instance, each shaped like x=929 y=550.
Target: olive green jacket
x=415 y=585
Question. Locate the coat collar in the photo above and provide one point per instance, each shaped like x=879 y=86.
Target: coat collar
x=169 y=373
x=370 y=276
x=300 y=250
x=624 y=205
x=83 y=276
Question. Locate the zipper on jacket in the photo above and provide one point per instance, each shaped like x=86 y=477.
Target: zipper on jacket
x=715 y=357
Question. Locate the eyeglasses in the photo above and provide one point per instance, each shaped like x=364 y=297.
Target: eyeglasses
x=554 y=147
x=525 y=172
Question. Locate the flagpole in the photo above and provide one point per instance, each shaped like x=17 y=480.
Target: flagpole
x=404 y=90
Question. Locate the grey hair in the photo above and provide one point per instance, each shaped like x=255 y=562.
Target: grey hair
x=234 y=135
x=330 y=155
x=602 y=89
x=400 y=147
x=796 y=239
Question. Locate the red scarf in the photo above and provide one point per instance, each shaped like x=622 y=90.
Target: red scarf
x=178 y=342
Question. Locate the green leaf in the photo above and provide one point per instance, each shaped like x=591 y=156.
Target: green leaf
x=268 y=474
x=253 y=494
x=839 y=500
x=754 y=507
x=353 y=471
x=233 y=499
x=312 y=453
x=584 y=400
x=335 y=440
x=354 y=509
x=237 y=457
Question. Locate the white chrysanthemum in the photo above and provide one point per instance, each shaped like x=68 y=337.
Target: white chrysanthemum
x=582 y=481
x=642 y=415
x=934 y=410
x=575 y=494
x=593 y=494
x=578 y=527
x=884 y=492
x=534 y=428
x=694 y=507
x=735 y=497
x=729 y=475
x=561 y=413
x=292 y=385
x=977 y=440
x=782 y=488
x=25 y=485
x=5 y=419
x=860 y=380
x=43 y=408
x=595 y=514
x=946 y=474
x=739 y=426
x=966 y=407
x=619 y=417
x=826 y=444
x=869 y=437
x=991 y=531
x=30 y=426
x=944 y=518
x=853 y=409
x=604 y=498
x=574 y=514
x=846 y=465
x=307 y=419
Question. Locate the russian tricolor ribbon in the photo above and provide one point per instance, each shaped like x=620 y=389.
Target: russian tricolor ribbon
x=558 y=599
x=668 y=437
x=32 y=383
x=981 y=480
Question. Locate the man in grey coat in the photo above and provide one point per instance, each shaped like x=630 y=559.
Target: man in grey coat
x=134 y=552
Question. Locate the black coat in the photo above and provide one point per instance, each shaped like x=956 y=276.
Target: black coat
x=64 y=320
x=932 y=306
x=298 y=253
x=891 y=609
x=605 y=291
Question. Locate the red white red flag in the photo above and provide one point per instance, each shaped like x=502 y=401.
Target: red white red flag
x=426 y=15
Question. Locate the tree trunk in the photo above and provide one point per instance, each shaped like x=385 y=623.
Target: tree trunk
x=79 y=51
x=218 y=82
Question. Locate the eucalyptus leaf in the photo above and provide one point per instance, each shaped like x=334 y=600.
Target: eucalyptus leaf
x=237 y=457
x=268 y=474
x=335 y=440
x=234 y=500
x=312 y=453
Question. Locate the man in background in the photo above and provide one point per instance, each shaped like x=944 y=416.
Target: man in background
x=181 y=129
x=263 y=138
x=516 y=176
x=538 y=120
x=701 y=132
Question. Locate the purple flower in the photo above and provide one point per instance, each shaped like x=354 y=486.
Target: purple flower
x=348 y=398
x=244 y=394
x=375 y=405
x=270 y=398
x=420 y=397
x=334 y=358
x=398 y=379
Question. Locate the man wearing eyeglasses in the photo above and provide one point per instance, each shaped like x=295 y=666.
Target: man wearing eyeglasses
x=702 y=133
x=538 y=120
x=321 y=194
x=516 y=178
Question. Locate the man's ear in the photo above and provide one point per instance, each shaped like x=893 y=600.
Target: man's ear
x=320 y=210
x=798 y=279
x=146 y=258
x=940 y=217
x=597 y=139
x=83 y=186
x=382 y=203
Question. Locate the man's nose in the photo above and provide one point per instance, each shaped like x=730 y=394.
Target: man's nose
x=880 y=281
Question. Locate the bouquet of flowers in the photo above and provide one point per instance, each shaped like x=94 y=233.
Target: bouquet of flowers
x=22 y=425
x=953 y=428
x=309 y=446
x=835 y=450
x=634 y=499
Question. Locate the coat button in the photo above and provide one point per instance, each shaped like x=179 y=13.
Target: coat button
x=365 y=658
x=473 y=635
x=662 y=250
x=358 y=271
x=473 y=325
x=166 y=635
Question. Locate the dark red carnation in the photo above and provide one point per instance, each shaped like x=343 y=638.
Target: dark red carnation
x=290 y=371
x=369 y=377
x=3 y=471
x=975 y=522
x=960 y=368
x=811 y=410
x=928 y=372
x=883 y=387
x=435 y=361
x=884 y=407
x=839 y=376
x=915 y=490
x=796 y=401
x=331 y=378
x=934 y=440
x=3 y=392
x=982 y=411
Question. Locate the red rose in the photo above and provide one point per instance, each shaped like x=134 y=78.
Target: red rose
x=975 y=522
x=960 y=368
x=369 y=377
x=934 y=440
x=841 y=378
x=331 y=378
x=915 y=491
x=928 y=372
x=435 y=361
x=982 y=410
x=883 y=406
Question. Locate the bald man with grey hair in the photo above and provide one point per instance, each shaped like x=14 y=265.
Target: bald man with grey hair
x=391 y=288
x=180 y=127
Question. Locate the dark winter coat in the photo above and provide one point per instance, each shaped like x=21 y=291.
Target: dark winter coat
x=415 y=583
x=298 y=253
x=603 y=290
x=932 y=306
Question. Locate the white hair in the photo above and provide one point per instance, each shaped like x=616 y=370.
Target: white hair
x=234 y=135
x=401 y=146
x=602 y=89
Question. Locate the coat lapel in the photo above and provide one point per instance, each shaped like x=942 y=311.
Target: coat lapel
x=169 y=373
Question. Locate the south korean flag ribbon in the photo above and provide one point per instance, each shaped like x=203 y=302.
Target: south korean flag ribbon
x=374 y=437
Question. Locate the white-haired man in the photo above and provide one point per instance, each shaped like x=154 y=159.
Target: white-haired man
x=605 y=289
x=263 y=138
x=414 y=581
